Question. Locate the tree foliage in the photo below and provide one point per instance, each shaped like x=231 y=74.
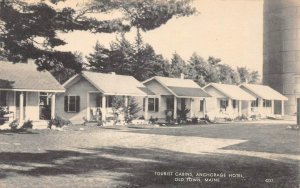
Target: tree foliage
x=177 y=66
x=248 y=76
x=29 y=30
x=213 y=71
x=137 y=59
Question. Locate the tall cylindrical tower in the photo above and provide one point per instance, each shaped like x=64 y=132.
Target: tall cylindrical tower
x=281 y=66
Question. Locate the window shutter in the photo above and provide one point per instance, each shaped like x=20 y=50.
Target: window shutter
x=77 y=103
x=66 y=103
x=144 y=104
x=156 y=105
x=201 y=105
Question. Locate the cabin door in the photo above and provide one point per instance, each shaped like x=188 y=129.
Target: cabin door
x=45 y=106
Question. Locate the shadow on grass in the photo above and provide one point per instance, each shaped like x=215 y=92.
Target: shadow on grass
x=261 y=138
x=18 y=131
x=137 y=167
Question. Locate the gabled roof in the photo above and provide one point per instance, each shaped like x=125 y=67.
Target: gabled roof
x=231 y=91
x=26 y=77
x=180 y=87
x=112 y=84
x=263 y=91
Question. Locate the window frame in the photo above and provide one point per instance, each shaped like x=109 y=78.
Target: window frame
x=267 y=103
x=226 y=104
x=155 y=104
x=76 y=104
x=254 y=103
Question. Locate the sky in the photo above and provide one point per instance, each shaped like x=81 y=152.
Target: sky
x=228 y=29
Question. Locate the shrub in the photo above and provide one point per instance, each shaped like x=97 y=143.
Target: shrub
x=241 y=118
x=132 y=110
x=58 y=122
x=27 y=125
x=182 y=113
x=14 y=124
x=153 y=120
x=194 y=120
x=169 y=116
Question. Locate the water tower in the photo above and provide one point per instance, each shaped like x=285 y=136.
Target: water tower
x=281 y=65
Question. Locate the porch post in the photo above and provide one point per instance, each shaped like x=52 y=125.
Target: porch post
x=175 y=109
x=53 y=106
x=272 y=107
x=103 y=107
x=229 y=107
x=146 y=108
x=249 y=108
x=126 y=101
x=21 y=106
x=260 y=105
x=282 y=107
x=240 y=107
x=191 y=110
x=88 y=116
x=126 y=106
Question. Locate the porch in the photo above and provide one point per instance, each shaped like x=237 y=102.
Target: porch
x=100 y=106
x=265 y=107
x=169 y=107
x=27 y=105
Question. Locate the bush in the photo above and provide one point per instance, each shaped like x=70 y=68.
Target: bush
x=27 y=125
x=243 y=117
x=182 y=113
x=153 y=120
x=194 y=120
x=14 y=124
x=58 y=122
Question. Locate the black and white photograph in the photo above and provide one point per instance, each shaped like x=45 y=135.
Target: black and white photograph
x=150 y=93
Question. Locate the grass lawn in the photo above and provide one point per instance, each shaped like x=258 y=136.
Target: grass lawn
x=245 y=154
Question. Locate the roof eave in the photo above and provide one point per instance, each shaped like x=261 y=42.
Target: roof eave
x=34 y=90
x=200 y=97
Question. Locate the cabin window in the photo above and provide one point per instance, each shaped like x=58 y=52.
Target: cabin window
x=267 y=103
x=254 y=103
x=223 y=104
x=201 y=105
x=72 y=103
x=3 y=95
x=153 y=105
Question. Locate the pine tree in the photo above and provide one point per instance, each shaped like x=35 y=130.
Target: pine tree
x=177 y=66
x=99 y=59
